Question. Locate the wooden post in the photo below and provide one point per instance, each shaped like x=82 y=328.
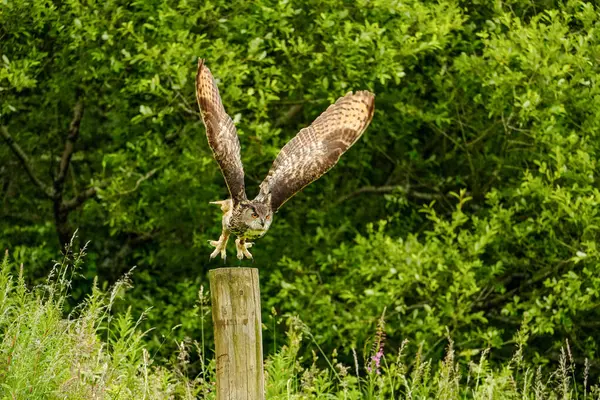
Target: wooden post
x=235 y=296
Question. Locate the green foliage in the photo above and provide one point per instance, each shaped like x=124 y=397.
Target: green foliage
x=469 y=205
x=92 y=353
x=96 y=353
x=518 y=247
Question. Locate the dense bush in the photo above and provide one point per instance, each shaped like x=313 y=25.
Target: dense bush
x=520 y=245
x=470 y=204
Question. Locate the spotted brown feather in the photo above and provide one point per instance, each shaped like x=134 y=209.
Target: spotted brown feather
x=221 y=133
x=317 y=148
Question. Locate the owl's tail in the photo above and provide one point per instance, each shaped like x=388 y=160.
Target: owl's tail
x=225 y=204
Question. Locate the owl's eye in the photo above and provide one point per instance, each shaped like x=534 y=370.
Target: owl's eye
x=267 y=217
x=254 y=215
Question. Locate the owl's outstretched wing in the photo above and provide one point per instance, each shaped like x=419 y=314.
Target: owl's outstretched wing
x=317 y=148
x=221 y=133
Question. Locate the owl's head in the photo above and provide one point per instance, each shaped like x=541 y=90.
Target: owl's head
x=257 y=216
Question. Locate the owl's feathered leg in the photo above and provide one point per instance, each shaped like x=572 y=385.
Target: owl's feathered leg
x=242 y=248
x=221 y=244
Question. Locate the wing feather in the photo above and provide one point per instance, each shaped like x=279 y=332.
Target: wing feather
x=221 y=133
x=317 y=148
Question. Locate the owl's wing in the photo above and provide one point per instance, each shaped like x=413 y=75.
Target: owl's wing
x=221 y=133
x=317 y=148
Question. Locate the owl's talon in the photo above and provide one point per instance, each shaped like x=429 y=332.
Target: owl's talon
x=214 y=254
x=247 y=253
x=220 y=246
x=242 y=249
x=217 y=251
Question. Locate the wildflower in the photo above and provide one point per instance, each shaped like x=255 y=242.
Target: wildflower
x=376 y=359
x=378 y=346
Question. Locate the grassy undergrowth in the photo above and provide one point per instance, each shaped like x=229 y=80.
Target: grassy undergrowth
x=93 y=353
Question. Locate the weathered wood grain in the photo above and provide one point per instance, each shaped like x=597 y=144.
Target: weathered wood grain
x=235 y=295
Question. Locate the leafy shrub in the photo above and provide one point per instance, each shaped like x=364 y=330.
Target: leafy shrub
x=518 y=247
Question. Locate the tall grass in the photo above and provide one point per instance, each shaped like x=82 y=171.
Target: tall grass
x=88 y=354
x=93 y=353
x=392 y=375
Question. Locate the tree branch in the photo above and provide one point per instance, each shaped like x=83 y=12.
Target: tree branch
x=389 y=189
x=535 y=279
x=134 y=240
x=140 y=180
x=22 y=217
x=72 y=137
x=289 y=114
x=72 y=204
x=14 y=146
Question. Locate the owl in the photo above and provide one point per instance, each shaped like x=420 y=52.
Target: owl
x=304 y=159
